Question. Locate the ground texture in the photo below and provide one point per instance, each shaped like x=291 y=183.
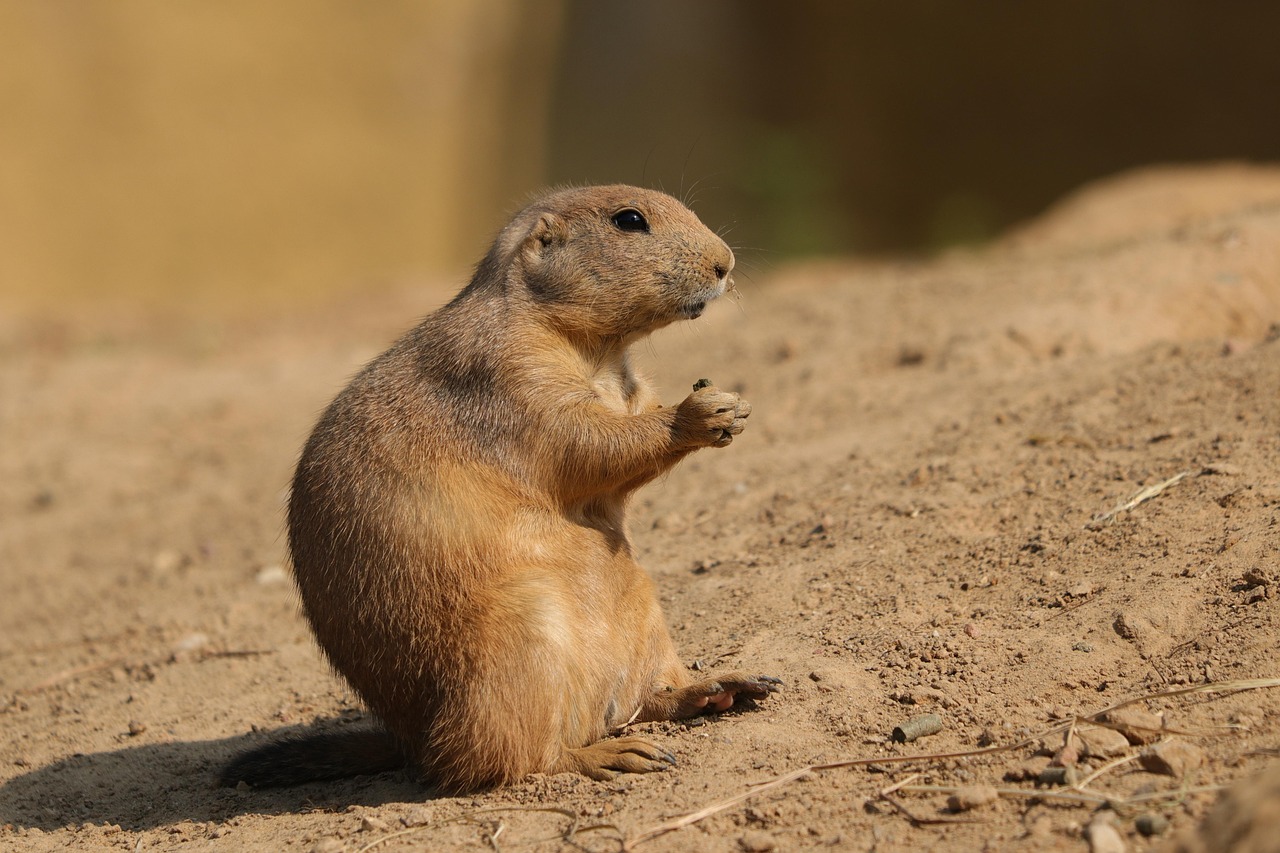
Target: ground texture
x=1009 y=488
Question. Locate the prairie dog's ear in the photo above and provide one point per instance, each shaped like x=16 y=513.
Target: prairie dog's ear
x=550 y=230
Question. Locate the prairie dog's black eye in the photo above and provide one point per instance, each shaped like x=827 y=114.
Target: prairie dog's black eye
x=630 y=219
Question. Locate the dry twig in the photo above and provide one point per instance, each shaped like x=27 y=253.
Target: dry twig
x=1141 y=497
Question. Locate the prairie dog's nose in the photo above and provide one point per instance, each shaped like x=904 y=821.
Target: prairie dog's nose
x=724 y=263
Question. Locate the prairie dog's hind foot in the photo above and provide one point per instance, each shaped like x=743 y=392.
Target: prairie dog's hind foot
x=710 y=696
x=605 y=759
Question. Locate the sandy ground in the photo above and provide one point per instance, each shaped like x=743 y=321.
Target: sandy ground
x=909 y=525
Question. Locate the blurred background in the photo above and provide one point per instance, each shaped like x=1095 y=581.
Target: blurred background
x=180 y=152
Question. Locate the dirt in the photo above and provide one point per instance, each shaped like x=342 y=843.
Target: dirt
x=931 y=512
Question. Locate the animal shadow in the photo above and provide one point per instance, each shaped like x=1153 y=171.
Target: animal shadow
x=154 y=785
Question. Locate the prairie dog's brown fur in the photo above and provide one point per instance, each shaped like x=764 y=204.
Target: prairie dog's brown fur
x=457 y=518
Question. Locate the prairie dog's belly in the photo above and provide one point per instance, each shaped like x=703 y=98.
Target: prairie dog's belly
x=590 y=607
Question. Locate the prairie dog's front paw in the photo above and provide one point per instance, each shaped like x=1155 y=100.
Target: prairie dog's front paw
x=710 y=417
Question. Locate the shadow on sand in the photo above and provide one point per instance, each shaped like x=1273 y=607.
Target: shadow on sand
x=144 y=787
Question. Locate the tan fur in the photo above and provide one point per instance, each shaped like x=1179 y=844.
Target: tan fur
x=457 y=520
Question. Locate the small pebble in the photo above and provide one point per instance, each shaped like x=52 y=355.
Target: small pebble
x=190 y=643
x=1257 y=577
x=136 y=727
x=271 y=575
x=1172 y=758
x=1068 y=756
x=1150 y=824
x=971 y=797
x=1084 y=589
x=1029 y=770
x=168 y=561
x=369 y=823
x=756 y=842
x=1103 y=837
x=1105 y=743
x=1140 y=727
x=417 y=816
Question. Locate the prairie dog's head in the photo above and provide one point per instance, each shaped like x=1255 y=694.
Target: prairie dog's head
x=615 y=261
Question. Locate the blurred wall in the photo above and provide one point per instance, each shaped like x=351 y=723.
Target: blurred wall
x=189 y=149
x=206 y=148
x=816 y=126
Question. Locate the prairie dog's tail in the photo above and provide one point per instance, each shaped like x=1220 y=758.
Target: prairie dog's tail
x=316 y=757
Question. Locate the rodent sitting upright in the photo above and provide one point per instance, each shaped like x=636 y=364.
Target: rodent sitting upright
x=457 y=526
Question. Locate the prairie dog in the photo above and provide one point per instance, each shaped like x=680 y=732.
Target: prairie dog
x=457 y=519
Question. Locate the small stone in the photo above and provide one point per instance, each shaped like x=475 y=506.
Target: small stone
x=1150 y=824
x=1172 y=758
x=190 y=643
x=756 y=842
x=271 y=576
x=1256 y=577
x=971 y=797
x=369 y=823
x=1104 y=743
x=168 y=561
x=1084 y=589
x=136 y=727
x=1068 y=756
x=1139 y=727
x=1029 y=770
x=417 y=816
x=1039 y=829
x=1103 y=837
x=1129 y=626
x=971 y=629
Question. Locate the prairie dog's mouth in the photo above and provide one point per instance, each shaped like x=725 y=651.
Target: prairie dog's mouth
x=697 y=303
